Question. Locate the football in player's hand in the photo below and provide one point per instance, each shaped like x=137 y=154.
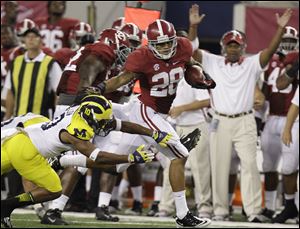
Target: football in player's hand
x=194 y=75
x=197 y=78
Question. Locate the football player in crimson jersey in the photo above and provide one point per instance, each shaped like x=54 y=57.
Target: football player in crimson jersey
x=279 y=99
x=159 y=67
x=95 y=60
x=80 y=35
x=108 y=181
x=55 y=29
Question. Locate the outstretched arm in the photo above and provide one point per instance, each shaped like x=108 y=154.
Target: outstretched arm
x=162 y=138
x=116 y=82
x=267 y=53
x=100 y=157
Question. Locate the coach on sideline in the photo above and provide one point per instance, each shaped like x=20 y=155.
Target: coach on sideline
x=233 y=124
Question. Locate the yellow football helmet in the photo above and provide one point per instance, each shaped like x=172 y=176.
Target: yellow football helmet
x=96 y=110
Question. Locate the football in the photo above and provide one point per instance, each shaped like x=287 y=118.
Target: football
x=194 y=75
x=197 y=78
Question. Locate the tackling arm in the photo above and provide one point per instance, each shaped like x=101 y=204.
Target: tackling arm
x=140 y=155
x=90 y=67
x=87 y=148
x=116 y=82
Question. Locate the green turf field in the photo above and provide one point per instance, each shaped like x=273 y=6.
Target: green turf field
x=24 y=218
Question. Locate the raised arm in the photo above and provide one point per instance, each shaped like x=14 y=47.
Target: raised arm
x=195 y=19
x=267 y=53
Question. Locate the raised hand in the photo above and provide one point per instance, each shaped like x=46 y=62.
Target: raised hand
x=284 y=18
x=195 y=18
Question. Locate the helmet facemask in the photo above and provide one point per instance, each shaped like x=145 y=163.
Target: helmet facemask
x=172 y=51
x=96 y=114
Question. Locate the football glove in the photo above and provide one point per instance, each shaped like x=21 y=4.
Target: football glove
x=191 y=140
x=162 y=138
x=140 y=155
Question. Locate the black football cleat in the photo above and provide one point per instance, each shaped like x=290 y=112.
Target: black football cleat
x=102 y=213
x=53 y=217
x=192 y=221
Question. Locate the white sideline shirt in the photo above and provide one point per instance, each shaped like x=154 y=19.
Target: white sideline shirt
x=186 y=94
x=235 y=88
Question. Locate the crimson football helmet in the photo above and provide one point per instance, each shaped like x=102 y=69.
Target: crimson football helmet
x=158 y=32
x=233 y=36
x=77 y=32
x=23 y=26
x=118 y=41
x=118 y=23
x=289 y=41
x=135 y=35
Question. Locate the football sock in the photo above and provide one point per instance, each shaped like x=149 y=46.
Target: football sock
x=157 y=193
x=104 y=199
x=137 y=193
x=180 y=203
x=114 y=194
x=270 y=200
x=60 y=202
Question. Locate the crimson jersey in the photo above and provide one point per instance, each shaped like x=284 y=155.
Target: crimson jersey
x=56 y=36
x=70 y=78
x=159 y=78
x=280 y=100
x=63 y=56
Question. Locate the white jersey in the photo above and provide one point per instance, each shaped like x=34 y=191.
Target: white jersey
x=45 y=137
x=23 y=121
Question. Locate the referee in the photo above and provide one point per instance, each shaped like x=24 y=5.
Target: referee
x=32 y=80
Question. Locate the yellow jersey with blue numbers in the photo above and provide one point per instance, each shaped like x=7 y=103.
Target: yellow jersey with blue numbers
x=45 y=136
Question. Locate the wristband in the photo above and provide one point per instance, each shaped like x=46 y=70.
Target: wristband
x=94 y=154
x=118 y=124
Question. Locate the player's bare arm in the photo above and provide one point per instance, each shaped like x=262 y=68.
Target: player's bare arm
x=88 y=71
x=267 y=53
x=176 y=111
x=118 y=81
x=87 y=148
x=162 y=138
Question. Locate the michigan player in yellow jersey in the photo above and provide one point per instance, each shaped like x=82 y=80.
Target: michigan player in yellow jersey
x=26 y=149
